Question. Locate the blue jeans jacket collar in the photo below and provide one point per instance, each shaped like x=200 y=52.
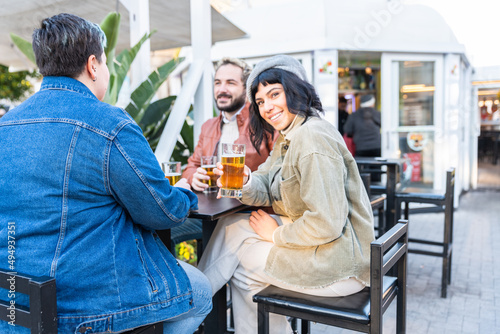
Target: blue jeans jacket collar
x=66 y=83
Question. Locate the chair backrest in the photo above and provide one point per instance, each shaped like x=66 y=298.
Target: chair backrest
x=450 y=188
x=365 y=177
x=389 y=252
x=41 y=314
x=375 y=187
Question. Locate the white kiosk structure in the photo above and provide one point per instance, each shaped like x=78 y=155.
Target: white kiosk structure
x=406 y=55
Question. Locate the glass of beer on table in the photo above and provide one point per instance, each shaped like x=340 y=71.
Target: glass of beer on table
x=208 y=163
x=233 y=163
x=172 y=170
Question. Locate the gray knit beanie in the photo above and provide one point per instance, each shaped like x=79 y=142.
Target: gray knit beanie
x=283 y=62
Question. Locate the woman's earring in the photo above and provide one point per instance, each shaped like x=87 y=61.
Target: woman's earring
x=95 y=78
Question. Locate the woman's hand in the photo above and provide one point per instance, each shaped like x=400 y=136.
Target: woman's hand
x=220 y=171
x=263 y=224
x=198 y=177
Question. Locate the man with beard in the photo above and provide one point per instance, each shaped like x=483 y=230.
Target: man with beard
x=231 y=126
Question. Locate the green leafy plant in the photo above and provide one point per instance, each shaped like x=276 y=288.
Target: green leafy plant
x=25 y=47
x=151 y=115
x=15 y=86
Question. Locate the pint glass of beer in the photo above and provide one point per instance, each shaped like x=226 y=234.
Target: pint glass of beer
x=208 y=163
x=233 y=163
x=172 y=171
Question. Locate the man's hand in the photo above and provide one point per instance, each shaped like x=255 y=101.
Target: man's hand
x=197 y=183
x=263 y=224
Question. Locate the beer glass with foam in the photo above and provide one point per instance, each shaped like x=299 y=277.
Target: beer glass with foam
x=233 y=163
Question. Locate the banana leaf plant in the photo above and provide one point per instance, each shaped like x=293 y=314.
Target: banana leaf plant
x=150 y=116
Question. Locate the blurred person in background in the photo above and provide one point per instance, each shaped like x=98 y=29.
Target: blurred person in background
x=343 y=114
x=363 y=126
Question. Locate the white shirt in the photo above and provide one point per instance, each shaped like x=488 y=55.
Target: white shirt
x=230 y=131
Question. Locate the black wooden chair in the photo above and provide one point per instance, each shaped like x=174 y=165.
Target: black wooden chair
x=362 y=311
x=377 y=202
x=391 y=179
x=374 y=178
x=444 y=201
x=41 y=314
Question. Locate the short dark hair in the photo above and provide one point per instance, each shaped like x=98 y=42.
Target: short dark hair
x=63 y=44
x=301 y=98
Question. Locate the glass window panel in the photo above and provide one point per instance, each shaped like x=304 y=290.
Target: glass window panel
x=416 y=93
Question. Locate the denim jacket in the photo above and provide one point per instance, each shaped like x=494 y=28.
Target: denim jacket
x=85 y=193
x=312 y=178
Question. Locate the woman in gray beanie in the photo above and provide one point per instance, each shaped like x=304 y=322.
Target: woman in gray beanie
x=318 y=242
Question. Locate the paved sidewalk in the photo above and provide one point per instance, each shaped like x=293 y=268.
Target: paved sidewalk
x=473 y=301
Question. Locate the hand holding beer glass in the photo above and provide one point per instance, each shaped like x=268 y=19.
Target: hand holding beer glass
x=233 y=166
x=208 y=163
x=172 y=171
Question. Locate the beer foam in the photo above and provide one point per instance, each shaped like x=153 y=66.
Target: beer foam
x=233 y=155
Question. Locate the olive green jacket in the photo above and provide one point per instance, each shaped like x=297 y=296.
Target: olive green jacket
x=312 y=178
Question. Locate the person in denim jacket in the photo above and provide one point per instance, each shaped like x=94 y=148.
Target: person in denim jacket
x=85 y=193
x=318 y=242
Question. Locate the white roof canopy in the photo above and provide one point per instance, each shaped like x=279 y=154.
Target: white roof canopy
x=170 y=19
x=357 y=25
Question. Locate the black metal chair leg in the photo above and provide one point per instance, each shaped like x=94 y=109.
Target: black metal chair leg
x=293 y=324
x=263 y=319
x=444 y=277
x=449 y=269
x=305 y=326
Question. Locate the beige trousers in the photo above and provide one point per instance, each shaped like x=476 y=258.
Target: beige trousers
x=237 y=254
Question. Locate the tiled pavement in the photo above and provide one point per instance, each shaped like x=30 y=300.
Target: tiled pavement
x=473 y=301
